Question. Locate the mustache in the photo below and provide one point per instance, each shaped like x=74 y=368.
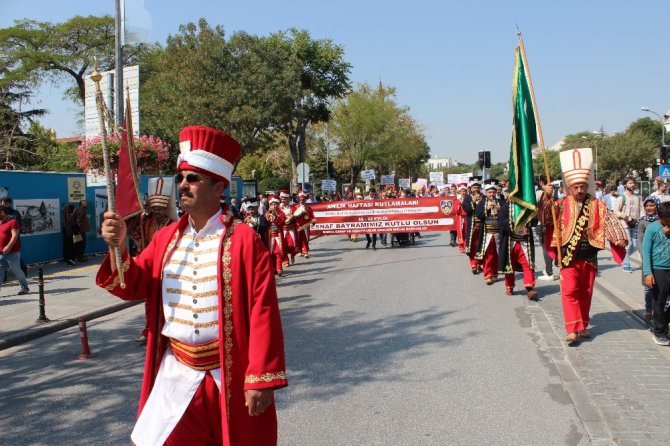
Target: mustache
x=185 y=193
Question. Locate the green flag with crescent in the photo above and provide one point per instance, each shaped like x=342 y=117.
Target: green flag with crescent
x=523 y=206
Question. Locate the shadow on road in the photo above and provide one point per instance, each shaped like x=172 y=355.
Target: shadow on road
x=48 y=397
x=330 y=356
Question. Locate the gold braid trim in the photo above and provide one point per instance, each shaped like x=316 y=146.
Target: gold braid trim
x=265 y=377
x=116 y=282
x=228 y=307
x=580 y=225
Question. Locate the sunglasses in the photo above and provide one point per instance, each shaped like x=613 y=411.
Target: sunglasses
x=190 y=178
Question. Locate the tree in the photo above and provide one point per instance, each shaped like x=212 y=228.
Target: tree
x=323 y=78
x=621 y=154
x=36 y=51
x=52 y=155
x=16 y=148
x=371 y=130
x=237 y=85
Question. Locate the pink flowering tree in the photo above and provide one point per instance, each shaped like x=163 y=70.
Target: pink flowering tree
x=151 y=152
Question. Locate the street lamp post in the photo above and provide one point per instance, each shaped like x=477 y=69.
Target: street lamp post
x=661 y=119
x=595 y=149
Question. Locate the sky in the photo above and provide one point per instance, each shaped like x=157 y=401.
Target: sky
x=594 y=63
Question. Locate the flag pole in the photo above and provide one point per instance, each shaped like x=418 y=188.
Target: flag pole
x=557 y=231
x=111 y=201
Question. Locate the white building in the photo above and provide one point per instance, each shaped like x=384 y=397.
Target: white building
x=435 y=164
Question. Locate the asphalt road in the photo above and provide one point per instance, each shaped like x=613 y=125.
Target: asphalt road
x=397 y=346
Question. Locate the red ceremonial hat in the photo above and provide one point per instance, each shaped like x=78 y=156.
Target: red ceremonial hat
x=302 y=194
x=283 y=193
x=273 y=199
x=208 y=151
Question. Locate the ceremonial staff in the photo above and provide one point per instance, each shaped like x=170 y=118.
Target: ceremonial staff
x=111 y=201
x=557 y=231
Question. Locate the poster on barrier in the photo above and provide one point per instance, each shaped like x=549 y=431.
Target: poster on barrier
x=39 y=216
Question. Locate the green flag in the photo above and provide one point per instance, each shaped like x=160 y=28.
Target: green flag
x=524 y=137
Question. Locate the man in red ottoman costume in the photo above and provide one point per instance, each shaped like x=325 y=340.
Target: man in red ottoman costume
x=304 y=218
x=584 y=223
x=215 y=350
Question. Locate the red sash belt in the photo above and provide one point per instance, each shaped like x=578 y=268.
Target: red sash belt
x=274 y=233
x=197 y=356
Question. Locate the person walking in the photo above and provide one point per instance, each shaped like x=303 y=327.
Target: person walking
x=10 y=249
x=584 y=225
x=656 y=269
x=81 y=216
x=215 y=352
x=13 y=213
x=541 y=231
x=489 y=238
x=71 y=235
x=628 y=208
x=650 y=204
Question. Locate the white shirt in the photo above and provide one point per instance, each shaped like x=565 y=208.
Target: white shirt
x=190 y=305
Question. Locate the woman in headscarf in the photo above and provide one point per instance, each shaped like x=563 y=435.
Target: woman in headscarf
x=651 y=215
x=70 y=229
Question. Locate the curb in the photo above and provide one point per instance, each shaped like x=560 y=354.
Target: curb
x=558 y=354
x=29 y=334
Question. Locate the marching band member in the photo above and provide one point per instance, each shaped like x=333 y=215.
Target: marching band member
x=472 y=227
x=141 y=228
x=517 y=248
x=584 y=223
x=274 y=237
x=461 y=219
x=304 y=218
x=215 y=352
x=487 y=211
x=290 y=236
x=255 y=220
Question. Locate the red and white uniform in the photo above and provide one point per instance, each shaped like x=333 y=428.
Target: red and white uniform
x=290 y=235
x=207 y=297
x=304 y=218
x=274 y=238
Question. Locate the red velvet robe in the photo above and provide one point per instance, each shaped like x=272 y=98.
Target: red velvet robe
x=302 y=227
x=251 y=350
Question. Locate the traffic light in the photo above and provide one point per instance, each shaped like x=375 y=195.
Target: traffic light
x=482 y=159
x=663 y=155
x=487 y=159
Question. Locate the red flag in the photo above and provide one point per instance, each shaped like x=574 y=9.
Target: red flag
x=127 y=181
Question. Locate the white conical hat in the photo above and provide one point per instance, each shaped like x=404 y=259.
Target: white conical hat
x=161 y=193
x=577 y=167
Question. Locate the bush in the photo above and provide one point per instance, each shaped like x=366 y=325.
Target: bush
x=273 y=183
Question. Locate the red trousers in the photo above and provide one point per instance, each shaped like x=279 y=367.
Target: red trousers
x=576 y=292
x=518 y=257
x=275 y=256
x=201 y=423
x=490 y=260
x=303 y=242
x=290 y=247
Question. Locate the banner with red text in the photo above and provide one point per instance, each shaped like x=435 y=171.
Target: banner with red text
x=383 y=216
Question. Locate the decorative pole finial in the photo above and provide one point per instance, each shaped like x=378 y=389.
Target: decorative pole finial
x=95 y=75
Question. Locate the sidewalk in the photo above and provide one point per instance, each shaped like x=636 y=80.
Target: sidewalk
x=69 y=292
x=619 y=380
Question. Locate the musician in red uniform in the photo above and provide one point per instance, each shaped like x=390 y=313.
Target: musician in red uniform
x=215 y=350
x=461 y=220
x=304 y=218
x=584 y=223
x=289 y=232
x=274 y=236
